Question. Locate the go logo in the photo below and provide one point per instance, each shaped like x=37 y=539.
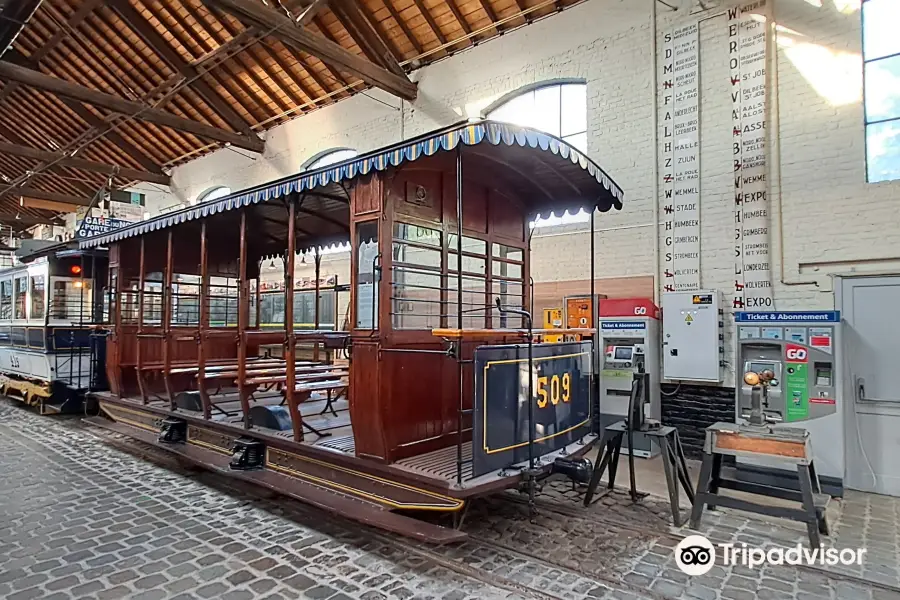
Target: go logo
x=796 y=353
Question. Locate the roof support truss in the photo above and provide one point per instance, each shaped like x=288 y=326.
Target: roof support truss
x=62 y=160
x=136 y=110
x=327 y=51
x=159 y=45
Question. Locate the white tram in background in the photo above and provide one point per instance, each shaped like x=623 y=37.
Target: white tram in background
x=52 y=344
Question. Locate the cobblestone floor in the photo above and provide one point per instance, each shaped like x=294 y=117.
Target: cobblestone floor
x=81 y=518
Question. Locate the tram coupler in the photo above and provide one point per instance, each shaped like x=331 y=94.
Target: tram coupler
x=173 y=431
x=579 y=470
x=247 y=455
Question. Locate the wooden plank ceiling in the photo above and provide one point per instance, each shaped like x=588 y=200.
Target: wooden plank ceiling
x=94 y=92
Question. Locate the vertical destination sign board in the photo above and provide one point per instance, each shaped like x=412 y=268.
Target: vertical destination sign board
x=748 y=27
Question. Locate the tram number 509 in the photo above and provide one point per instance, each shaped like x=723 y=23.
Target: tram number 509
x=553 y=389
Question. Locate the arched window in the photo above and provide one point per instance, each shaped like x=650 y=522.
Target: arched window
x=559 y=109
x=329 y=157
x=214 y=193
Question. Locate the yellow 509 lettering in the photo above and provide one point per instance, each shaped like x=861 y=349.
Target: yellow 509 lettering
x=553 y=389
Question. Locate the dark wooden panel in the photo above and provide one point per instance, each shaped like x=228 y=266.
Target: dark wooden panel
x=475 y=207
x=417 y=193
x=420 y=394
x=366 y=196
x=507 y=219
x=366 y=410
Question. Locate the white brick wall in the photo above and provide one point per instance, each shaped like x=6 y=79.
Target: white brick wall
x=834 y=221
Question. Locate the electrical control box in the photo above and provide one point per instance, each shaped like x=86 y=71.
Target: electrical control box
x=693 y=336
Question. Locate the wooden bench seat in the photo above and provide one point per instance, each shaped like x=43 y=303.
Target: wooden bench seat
x=300 y=376
x=158 y=366
x=320 y=386
x=232 y=365
x=280 y=371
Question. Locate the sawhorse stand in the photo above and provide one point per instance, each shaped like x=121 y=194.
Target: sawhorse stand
x=786 y=444
x=672 y=454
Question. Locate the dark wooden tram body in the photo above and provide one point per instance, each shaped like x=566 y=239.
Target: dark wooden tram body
x=400 y=438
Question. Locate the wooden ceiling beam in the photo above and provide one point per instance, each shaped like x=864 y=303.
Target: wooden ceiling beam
x=489 y=11
x=30 y=192
x=326 y=33
x=60 y=207
x=361 y=28
x=435 y=28
x=327 y=51
x=164 y=50
x=404 y=27
x=136 y=110
x=105 y=129
x=74 y=21
x=63 y=160
x=460 y=19
x=24 y=220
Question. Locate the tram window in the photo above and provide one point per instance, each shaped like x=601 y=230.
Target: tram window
x=153 y=301
x=415 y=298
x=474 y=303
x=415 y=233
x=471 y=245
x=503 y=269
x=185 y=300
x=415 y=255
x=511 y=295
x=470 y=264
x=366 y=278
x=507 y=252
x=251 y=322
x=71 y=300
x=223 y=302
x=37 y=297
x=6 y=299
x=21 y=288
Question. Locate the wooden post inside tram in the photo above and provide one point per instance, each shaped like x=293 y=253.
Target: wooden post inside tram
x=140 y=325
x=316 y=316
x=167 y=318
x=290 y=340
x=243 y=314
x=203 y=322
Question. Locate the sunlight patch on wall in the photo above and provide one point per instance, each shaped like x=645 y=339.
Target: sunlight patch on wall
x=835 y=76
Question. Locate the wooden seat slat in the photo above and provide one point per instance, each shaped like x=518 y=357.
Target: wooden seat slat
x=320 y=386
x=232 y=366
x=307 y=368
x=300 y=377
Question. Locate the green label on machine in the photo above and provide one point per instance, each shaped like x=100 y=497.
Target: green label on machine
x=796 y=392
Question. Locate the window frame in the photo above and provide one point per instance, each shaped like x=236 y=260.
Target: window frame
x=315 y=161
x=866 y=122
x=534 y=88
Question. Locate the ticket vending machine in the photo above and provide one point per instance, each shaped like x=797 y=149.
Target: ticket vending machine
x=629 y=343
x=803 y=349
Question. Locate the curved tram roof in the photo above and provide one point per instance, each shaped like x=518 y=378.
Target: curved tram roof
x=553 y=175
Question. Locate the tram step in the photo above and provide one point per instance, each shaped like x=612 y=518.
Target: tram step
x=357 y=509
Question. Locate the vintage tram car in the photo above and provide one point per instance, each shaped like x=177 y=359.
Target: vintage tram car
x=52 y=346
x=435 y=393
